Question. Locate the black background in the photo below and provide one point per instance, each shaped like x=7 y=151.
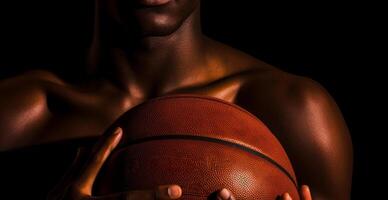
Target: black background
x=331 y=42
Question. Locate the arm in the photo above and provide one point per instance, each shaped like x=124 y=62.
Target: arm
x=310 y=126
x=23 y=108
x=318 y=142
x=22 y=111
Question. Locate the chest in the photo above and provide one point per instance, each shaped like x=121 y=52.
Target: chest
x=78 y=114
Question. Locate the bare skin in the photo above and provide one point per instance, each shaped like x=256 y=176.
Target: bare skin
x=168 y=57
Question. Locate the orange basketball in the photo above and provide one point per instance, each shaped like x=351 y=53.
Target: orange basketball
x=202 y=144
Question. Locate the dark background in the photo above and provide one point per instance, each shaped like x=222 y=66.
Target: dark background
x=331 y=42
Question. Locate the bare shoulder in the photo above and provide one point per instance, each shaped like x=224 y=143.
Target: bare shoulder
x=288 y=90
x=29 y=84
x=24 y=89
x=309 y=124
x=264 y=82
x=23 y=105
x=274 y=93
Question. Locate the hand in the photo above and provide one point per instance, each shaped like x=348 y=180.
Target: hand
x=78 y=183
x=304 y=194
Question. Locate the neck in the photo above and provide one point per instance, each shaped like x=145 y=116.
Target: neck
x=151 y=64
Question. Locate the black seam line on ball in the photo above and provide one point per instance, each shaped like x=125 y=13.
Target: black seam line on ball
x=219 y=141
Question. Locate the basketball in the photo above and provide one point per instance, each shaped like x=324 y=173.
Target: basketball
x=202 y=144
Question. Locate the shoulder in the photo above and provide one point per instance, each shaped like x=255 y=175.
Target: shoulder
x=23 y=105
x=264 y=84
x=23 y=88
x=309 y=124
x=26 y=88
x=291 y=102
x=284 y=91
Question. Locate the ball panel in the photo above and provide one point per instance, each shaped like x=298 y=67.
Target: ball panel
x=199 y=167
x=202 y=116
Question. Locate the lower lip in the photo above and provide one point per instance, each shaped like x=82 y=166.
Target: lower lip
x=153 y=2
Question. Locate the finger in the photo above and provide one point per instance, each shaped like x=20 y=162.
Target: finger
x=225 y=194
x=89 y=173
x=286 y=196
x=168 y=192
x=305 y=192
x=164 y=192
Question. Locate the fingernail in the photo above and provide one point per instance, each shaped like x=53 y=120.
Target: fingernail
x=174 y=191
x=287 y=196
x=117 y=134
x=305 y=189
x=225 y=194
x=117 y=131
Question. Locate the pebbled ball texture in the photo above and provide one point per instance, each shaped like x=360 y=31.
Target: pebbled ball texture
x=202 y=144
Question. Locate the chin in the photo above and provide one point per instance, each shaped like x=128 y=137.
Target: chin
x=148 y=23
x=156 y=20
